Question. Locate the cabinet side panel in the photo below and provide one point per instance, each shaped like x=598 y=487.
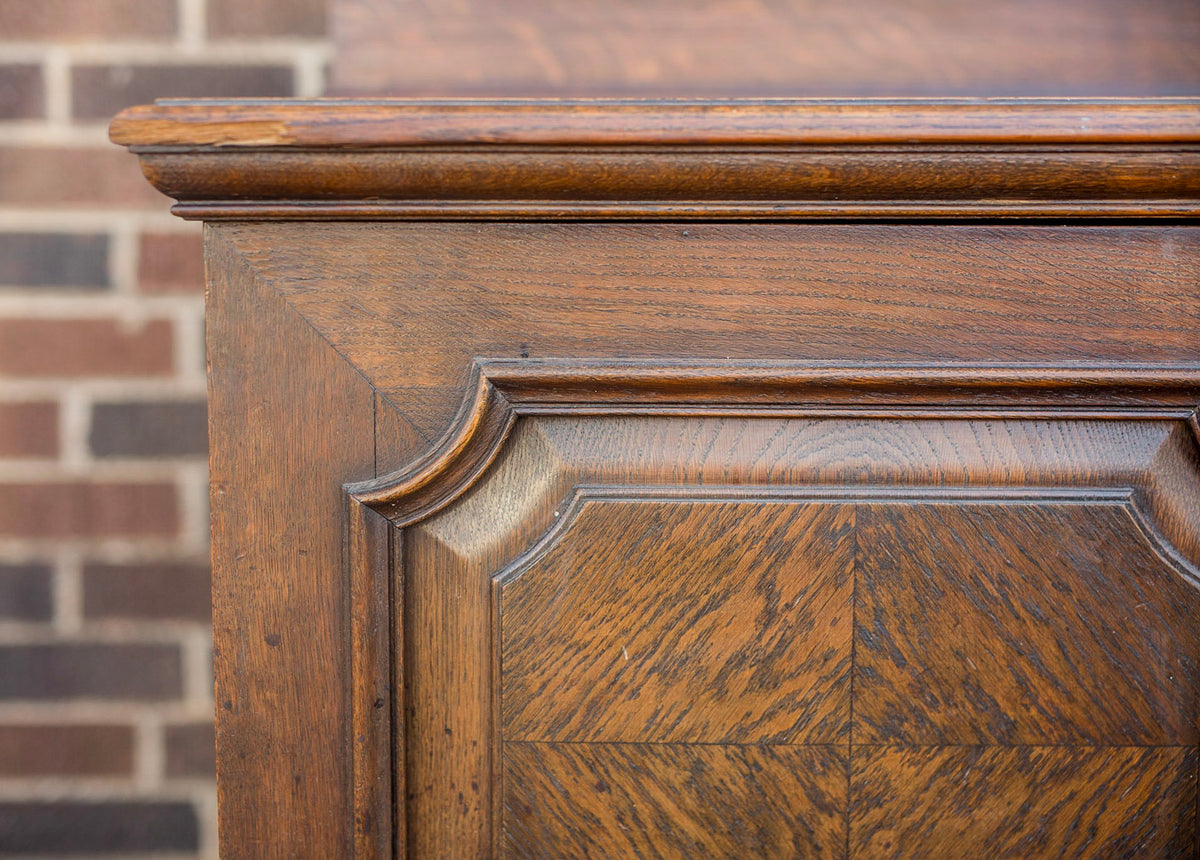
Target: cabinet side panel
x=290 y=422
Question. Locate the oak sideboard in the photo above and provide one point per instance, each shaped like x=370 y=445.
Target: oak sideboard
x=700 y=479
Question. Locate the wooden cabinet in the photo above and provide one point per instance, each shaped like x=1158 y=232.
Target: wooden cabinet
x=747 y=479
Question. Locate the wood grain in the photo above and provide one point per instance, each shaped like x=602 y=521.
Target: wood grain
x=448 y=720
x=784 y=47
x=1023 y=802
x=669 y=800
x=1020 y=624
x=955 y=294
x=682 y=622
x=350 y=124
x=280 y=629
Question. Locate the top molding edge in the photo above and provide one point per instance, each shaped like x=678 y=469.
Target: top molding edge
x=355 y=124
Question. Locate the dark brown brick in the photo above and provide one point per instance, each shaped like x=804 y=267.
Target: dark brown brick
x=150 y=429
x=98 y=92
x=22 y=92
x=54 y=260
x=148 y=590
x=79 y=509
x=25 y=593
x=74 y=827
x=191 y=751
x=171 y=263
x=70 y=175
x=28 y=429
x=64 y=20
x=90 y=670
x=266 y=18
x=66 y=750
x=99 y=347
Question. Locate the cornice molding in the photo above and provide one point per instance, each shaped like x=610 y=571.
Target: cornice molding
x=752 y=159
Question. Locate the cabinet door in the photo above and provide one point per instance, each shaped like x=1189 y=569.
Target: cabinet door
x=744 y=540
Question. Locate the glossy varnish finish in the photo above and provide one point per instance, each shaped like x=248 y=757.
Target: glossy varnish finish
x=714 y=523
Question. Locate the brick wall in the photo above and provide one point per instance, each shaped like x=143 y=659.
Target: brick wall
x=105 y=651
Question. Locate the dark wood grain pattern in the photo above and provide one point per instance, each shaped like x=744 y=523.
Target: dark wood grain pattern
x=673 y=801
x=1023 y=802
x=682 y=622
x=783 y=47
x=677 y=160
x=974 y=624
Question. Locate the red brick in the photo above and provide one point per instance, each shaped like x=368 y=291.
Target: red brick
x=28 y=430
x=65 y=175
x=171 y=263
x=191 y=751
x=266 y=18
x=99 y=92
x=148 y=590
x=61 y=20
x=100 y=347
x=22 y=92
x=79 y=509
x=66 y=750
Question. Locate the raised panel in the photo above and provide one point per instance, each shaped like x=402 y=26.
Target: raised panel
x=663 y=633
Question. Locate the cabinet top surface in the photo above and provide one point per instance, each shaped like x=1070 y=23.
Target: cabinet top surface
x=424 y=122
x=762 y=158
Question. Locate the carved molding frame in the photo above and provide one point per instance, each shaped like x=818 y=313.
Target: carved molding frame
x=504 y=391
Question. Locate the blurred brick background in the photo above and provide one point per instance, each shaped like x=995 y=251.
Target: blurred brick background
x=105 y=649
